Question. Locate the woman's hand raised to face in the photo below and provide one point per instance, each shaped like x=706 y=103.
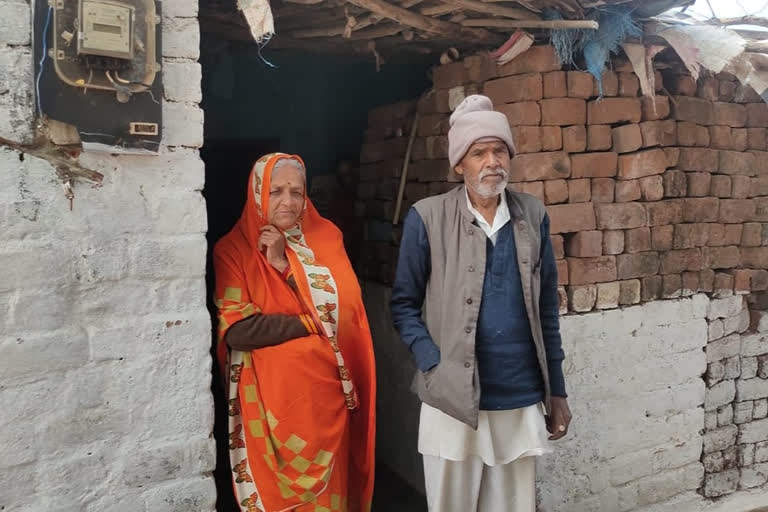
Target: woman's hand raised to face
x=272 y=244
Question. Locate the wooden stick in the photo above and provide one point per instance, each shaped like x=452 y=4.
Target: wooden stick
x=303 y=2
x=404 y=173
x=438 y=10
x=497 y=10
x=552 y=24
x=427 y=24
x=377 y=32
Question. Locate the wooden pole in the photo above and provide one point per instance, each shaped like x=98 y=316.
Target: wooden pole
x=427 y=24
x=497 y=10
x=552 y=24
x=404 y=173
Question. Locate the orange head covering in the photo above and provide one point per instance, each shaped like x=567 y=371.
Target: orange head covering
x=294 y=440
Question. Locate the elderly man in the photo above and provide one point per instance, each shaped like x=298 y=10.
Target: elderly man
x=478 y=260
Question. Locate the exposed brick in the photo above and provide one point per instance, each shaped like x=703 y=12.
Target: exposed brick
x=757 y=115
x=662 y=238
x=580 y=84
x=555 y=84
x=708 y=88
x=661 y=111
x=752 y=235
x=721 y=186
x=555 y=191
x=523 y=113
x=659 y=133
x=537 y=59
x=707 y=280
x=613 y=242
x=627 y=138
x=527 y=139
x=673 y=156
x=736 y=163
x=527 y=87
x=692 y=135
x=748 y=280
x=599 y=137
x=558 y=246
x=700 y=209
x=759 y=186
x=739 y=139
x=480 y=68
x=562 y=299
x=754 y=257
x=761 y=209
x=688 y=236
x=720 y=137
x=614 y=110
x=671 y=286
x=642 y=163
x=450 y=75
x=540 y=166
x=579 y=190
x=745 y=94
x=727 y=90
x=695 y=110
x=642 y=264
x=379 y=151
x=591 y=270
x=698 y=184
x=736 y=211
x=594 y=165
x=627 y=191
x=563 y=276
x=629 y=85
x=575 y=139
x=563 y=111
x=756 y=139
x=741 y=187
x=637 y=240
x=683 y=85
x=721 y=257
x=732 y=234
x=582 y=298
x=652 y=188
x=608 y=295
x=729 y=114
x=664 y=212
x=551 y=138
x=676 y=184
x=651 y=288
x=676 y=262
x=690 y=283
x=585 y=244
x=603 y=190
x=435 y=124
x=629 y=292
x=609 y=83
x=569 y=218
x=620 y=215
x=533 y=188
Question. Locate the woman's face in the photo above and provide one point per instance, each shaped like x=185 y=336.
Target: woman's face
x=286 y=197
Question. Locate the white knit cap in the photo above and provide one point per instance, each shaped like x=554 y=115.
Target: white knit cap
x=475 y=119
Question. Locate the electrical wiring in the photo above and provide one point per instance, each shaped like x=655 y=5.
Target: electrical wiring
x=41 y=65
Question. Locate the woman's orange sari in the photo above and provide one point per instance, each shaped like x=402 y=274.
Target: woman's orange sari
x=302 y=414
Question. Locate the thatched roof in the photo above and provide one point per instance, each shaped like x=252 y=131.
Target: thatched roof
x=421 y=26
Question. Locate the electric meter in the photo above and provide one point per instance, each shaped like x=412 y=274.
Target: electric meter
x=106 y=29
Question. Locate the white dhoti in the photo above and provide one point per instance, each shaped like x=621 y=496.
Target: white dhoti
x=492 y=469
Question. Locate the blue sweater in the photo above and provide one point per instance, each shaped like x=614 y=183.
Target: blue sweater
x=509 y=372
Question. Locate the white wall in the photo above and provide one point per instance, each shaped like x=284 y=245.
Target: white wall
x=104 y=334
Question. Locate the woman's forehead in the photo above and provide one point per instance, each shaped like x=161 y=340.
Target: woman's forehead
x=287 y=175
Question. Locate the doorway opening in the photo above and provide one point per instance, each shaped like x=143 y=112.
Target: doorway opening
x=314 y=105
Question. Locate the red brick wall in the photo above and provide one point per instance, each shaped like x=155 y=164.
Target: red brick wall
x=645 y=202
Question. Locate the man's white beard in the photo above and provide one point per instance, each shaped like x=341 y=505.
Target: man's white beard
x=488 y=190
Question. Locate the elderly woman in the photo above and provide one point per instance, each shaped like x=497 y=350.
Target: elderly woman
x=295 y=344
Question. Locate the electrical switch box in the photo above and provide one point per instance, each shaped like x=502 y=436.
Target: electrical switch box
x=106 y=29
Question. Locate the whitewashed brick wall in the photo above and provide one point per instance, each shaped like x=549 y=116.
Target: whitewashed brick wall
x=105 y=375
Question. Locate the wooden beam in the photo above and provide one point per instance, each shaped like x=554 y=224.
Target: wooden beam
x=437 y=10
x=303 y=2
x=551 y=24
x=378 y=32
x=496 y=10
x=427 y=24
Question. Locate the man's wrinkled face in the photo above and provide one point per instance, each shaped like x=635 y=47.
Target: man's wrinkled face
x=485 y=168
